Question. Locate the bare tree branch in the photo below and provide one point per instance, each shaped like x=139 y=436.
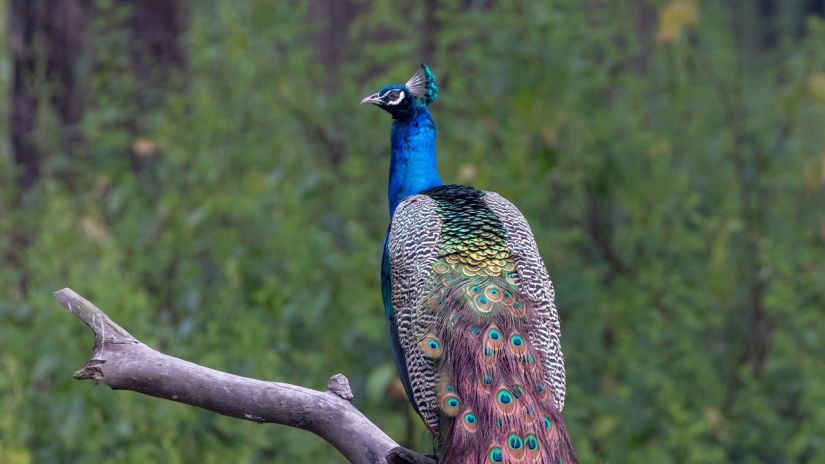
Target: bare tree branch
x=121 y=361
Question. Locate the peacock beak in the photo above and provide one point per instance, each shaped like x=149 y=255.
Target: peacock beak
x=372 y=99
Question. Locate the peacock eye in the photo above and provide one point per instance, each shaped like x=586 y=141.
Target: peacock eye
x=395 y=97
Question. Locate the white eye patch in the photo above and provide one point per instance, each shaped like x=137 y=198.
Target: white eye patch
x=397 y=100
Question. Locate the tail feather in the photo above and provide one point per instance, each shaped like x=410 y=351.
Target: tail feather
x=496 y=406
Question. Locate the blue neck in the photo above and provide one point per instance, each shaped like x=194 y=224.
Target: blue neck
x=412 y=161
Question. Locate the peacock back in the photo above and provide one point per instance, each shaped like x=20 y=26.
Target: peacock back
x=474 y=327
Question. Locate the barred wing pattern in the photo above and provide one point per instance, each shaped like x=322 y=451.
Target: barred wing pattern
x=414 y=240
x=535 y=284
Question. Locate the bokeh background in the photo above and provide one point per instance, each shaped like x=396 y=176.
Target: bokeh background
x=203 y=172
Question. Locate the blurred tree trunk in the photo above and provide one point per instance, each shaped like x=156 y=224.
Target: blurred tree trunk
x=816 y=7
x=646 y=26
x=158 y=49
x=51 y=51
x=332 y=48
x=768 y=12
x=53 y=46
x=159 y=64
x=429 y=30
x=331 y=44
x=46 y=40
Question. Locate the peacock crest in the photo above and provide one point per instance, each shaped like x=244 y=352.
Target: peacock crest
x=422 y=85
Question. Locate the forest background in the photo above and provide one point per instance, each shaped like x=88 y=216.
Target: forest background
x=202 y=171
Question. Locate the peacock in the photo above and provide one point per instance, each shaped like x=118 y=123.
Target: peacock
x=469 y=304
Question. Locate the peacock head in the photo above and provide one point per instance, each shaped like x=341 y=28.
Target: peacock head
x=401 y=101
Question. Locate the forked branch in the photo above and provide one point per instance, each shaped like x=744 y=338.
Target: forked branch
x=122 y=362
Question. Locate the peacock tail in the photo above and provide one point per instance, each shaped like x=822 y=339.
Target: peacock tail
x=476 y=328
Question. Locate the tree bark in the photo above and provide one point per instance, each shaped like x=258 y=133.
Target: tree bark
x=159 y=62
x=46 y=41
x=429 y=31
x=52 y=52
x=331 y=39
x=158 y=28
x=122 y=362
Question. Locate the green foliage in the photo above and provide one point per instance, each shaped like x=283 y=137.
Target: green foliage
x=672 y=171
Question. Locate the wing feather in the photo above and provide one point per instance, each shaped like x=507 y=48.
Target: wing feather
x=414 y=240
x=534 y=282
